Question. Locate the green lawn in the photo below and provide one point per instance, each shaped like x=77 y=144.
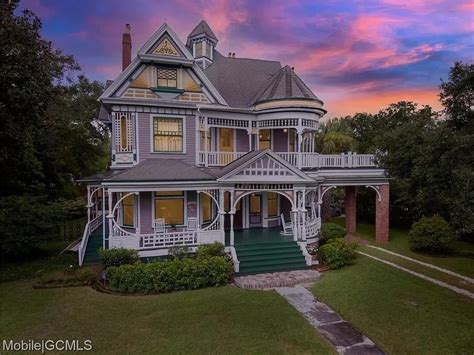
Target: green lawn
x=400 y=312
x=217 y=320
x=461 y=261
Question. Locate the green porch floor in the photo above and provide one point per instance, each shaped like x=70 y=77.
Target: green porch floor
x=257 y=236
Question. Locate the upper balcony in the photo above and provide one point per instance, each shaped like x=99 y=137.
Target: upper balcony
x=302 y=160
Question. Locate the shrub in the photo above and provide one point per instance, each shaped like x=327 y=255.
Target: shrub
x=331 y=231
x=170 y=275
x=86 y=275
x=208 y=250
x=179 y=252
x=430 y=234
x=337 y=253
x=118 y=256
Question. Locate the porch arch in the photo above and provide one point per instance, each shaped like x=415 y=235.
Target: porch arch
x=232 y=211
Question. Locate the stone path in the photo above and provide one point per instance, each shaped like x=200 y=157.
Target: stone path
x=341 y=334
x=424 y=277
x=277 y=279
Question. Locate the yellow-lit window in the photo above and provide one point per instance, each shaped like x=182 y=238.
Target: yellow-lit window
x=206 y=204
x=265 y=139
x=167 y=134
x=167 y=77
x=206 y=142
x=123 y=133
x=128 y=211
x=272 y=198
x=169 y=205
x=255 y=204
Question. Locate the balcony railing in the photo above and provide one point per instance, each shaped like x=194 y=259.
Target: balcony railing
x=300 y=160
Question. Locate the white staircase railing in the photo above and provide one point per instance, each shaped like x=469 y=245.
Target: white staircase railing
x=88 y=230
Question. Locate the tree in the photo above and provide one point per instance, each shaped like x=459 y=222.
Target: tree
x=29 y=69
x=457 y=96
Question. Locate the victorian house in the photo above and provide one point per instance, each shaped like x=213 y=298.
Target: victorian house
x=208 y=147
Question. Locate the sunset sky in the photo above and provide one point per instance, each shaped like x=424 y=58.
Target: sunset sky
x=357 y=56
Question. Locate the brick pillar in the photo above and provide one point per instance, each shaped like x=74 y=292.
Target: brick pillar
x=382 y=215
x=350 y=206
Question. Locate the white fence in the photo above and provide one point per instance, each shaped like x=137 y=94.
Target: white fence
x=300 y=160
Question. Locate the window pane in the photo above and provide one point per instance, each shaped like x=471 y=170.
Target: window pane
x=265 y=138
x=172 y=83
x=162 y=82
x=128 y=210
x=172 y=210
x=255 y=204
x=123 y=133
x=168 y=135
x=206 y=207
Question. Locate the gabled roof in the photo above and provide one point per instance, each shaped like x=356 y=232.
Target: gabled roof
x=262 y=166
x=284 y=84
x=202 y=28
x=239 y=79
x=162 y=170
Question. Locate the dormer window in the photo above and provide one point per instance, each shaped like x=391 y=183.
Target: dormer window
x=167 y=77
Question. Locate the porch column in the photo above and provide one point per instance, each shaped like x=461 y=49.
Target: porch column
x=103 y=219
x=382 y=214
x=232 y=213
x=110 y=215
x=89 y=203
x=249 y=133
x=298 y=156
x=350 y=205
x=221 y=210
x=206 y=155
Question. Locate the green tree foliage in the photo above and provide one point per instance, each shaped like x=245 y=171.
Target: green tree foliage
x=431 y=235
x=334 y=137
x=48 y=133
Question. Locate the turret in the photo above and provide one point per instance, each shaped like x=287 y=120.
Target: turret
x=201 y=42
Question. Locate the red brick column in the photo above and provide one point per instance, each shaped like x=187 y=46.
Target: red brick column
x=382 y=215
x=350 y=206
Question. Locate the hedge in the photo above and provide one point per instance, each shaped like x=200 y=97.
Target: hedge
x=331 y=231
x=118 y=256
x=170 y=275
x=338 y=253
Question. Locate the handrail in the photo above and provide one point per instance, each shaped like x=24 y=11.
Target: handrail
x=214 y=224
x=89 y=228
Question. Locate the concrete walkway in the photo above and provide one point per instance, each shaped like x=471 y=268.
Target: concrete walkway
x=341 y=334
x=424 y=277
x=449 y=272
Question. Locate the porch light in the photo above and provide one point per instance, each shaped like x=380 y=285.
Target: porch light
x=285 y=130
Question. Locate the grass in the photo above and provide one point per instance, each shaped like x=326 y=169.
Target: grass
x=400 y=312
x=215 y=320
x=460 y=260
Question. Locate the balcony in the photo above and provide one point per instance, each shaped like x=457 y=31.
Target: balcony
x=300 y=160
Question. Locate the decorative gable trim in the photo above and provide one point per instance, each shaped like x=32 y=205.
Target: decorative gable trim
x=166 y=48
x=160 y=32
x=266 y=167
x=135 y=69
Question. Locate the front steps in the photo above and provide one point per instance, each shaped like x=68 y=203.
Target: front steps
x=94 y=243
x=269 y=257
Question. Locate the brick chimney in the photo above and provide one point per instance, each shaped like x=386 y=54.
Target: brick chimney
x=126 y=47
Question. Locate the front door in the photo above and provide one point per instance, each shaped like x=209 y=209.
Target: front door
x=255 y=210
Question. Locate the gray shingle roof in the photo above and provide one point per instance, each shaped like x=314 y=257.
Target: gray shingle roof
x=238 y=80
x=203 y=28
x=236 y=163
x=163 y=170
x=284 y=84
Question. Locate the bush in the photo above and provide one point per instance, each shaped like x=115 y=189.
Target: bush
x=179 y=252
x=337 y=253
x=331 y=231
x=208 y=250
x=430 y=234
x=118 y=256
x=170 y=275
x=86 y=275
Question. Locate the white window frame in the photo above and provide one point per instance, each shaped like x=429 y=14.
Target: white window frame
x=185 y=207
x=152 y=137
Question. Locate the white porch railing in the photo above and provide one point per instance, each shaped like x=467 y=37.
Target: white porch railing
x=218 y=158
x=88 y=230
x=168 y=239
x=300 y=160
x=312 y=228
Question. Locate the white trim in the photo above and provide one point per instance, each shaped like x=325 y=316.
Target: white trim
x=161 y=31
x=185 y=205
x=152 y=141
